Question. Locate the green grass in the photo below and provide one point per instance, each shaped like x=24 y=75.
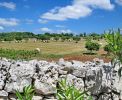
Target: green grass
x=49 y=51
x=18 y=54
x=49 y=48
x=46 y=48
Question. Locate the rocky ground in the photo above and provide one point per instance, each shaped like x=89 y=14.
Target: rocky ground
x=99 y=78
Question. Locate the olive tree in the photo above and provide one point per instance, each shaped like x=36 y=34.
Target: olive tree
x=92 y=46
x=56 y=38
x=9 y=39
x=76 y=39
x=18 y=38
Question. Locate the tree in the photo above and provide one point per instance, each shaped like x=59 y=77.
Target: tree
x=76 y=39
x=18 y=38
x=63 y=38
x=43 y=37
x=81 y=34
x=92 y=46
x=46 y=38
x=84 y=34
x=95 y=36
x=56 y=38
x=8 y=39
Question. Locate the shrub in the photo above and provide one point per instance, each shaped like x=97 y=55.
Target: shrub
x=69 y=92
x=107 y=48
x=63 y=38
x=18 y=54
x=76 y=39
x=8 y=39
x=56 y=38
x=18 y=38
x=114 y=40
x=92 y=46
x=28 y=93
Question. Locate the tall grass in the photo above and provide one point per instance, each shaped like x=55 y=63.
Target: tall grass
x=18 y=54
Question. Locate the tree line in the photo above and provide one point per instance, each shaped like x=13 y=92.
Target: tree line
x=18 y=36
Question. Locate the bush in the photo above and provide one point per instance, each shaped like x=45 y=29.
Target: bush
x=8 y=39
x=114 y=40
x=76 y=39
x=28 y=93
x=18 y=38
x=107 y=48
x=63 y=38
x=69 y=92
x=92 y=46
x=18 y=54
x=56 y=38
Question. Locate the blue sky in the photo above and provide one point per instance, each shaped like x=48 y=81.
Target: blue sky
x=75 y=16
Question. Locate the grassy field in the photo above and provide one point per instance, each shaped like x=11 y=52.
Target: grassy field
x=52 y=50
x=48 y=48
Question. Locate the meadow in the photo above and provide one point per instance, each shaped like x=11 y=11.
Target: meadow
x=54 y=50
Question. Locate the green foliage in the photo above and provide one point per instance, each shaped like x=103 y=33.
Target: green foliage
x=10 y=36
x=88 y=38
x=43 y=37
x=28 y=93
x=107 y=48
x=63 y=38
x=56 y=38
x=13 y=35
x=76 y=39
x=18 y=54
x=69 y=92
x=8 y=39
x=95 y=36
x=18 y=38
x=114 y=40
x=92 y=46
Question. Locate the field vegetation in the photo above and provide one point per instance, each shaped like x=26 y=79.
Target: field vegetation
x=52 y=46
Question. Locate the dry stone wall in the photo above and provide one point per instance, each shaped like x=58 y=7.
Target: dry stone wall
x=99 y=78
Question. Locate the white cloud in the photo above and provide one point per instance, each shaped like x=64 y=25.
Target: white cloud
x=9 y=5
x=78 y=9
x=45 y=29
x=64 y=31
x=119 y=2
x=42 y=21
x=1 y=28
x=59 y=26
x=103 y=4
x=9 y=22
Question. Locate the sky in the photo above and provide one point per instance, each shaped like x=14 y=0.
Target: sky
x=70 y=16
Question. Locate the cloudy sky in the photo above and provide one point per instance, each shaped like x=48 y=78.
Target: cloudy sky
x=75 y=16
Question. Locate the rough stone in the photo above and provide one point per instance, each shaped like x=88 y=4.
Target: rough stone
x=3 y=93
x=44 y=88
x=99 y=78
x=19 y=76
x=37 y=98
